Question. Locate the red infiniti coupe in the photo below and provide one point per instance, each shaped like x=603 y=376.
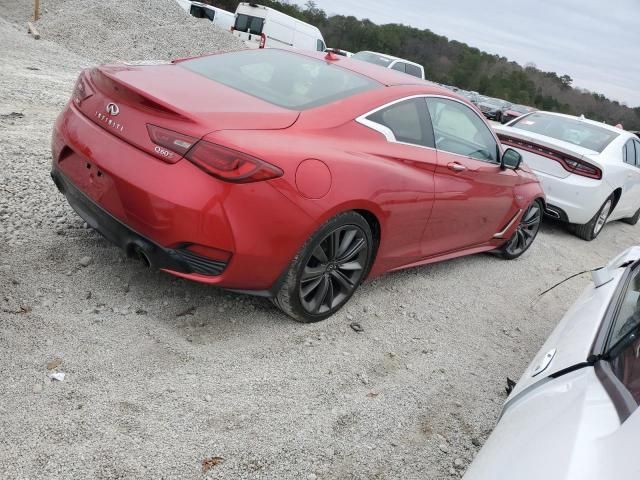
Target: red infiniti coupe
x=288 y=175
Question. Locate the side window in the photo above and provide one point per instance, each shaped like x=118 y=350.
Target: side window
x=624 y=340
x=413 y=70
x=399 y=66
x=320 y=45
x=629 y=153
x=458 y=129
x=407 y=120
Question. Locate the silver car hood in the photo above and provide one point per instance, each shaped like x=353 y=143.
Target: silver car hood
x=551 y=433
x=571 y=341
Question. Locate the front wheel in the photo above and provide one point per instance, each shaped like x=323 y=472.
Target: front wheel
x=327 y=270
x=525 y=234
x=592 y=229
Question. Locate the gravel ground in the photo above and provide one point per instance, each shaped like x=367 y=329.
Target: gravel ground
x=163 y=375
x=115 y=30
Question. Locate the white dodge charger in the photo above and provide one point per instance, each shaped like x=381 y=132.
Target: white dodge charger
x=590 y=172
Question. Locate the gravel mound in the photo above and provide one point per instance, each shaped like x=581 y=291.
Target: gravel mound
x=117 y=30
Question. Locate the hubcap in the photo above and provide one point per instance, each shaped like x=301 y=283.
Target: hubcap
x=334 y=269
x=526 y=231
x=602 y=218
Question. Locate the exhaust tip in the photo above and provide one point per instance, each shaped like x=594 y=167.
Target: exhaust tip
x=142 y=256
x=552 y=213
x=138 y=252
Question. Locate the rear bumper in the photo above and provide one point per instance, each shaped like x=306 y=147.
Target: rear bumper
x=150 y=207
x=177 y=260
x=576 y=198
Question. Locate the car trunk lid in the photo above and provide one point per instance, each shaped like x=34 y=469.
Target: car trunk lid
x=549 y=156
x=125 y=99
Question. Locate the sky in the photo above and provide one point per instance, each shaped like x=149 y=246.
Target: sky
x=595 y=42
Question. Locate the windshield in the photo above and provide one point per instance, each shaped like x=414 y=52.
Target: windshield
x=373 y=58
x=628 y=317
x=570 y=130
x=249 y=24
x=280 y=77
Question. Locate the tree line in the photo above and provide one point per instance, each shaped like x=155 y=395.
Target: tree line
x=455 y=63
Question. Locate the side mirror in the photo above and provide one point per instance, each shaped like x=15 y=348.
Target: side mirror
x=510 y=159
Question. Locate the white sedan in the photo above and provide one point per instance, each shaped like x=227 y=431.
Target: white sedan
x=590 y=172
x=574 y=413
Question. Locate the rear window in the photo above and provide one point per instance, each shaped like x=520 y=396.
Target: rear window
x=249 y=24
x=413 y=70
x=373 y=58
x=568 y=130
x=286 y=79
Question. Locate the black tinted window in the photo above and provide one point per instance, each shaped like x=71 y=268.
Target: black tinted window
x=571 y=130
x=408 y=121
x=399 y=66
x=413 y=70
x=280 y=77
x=624 y=340
x=629 y=153
x=248 y=23
x=459 y=130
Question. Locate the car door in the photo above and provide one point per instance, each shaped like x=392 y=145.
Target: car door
x=407 y=148
x=629 y=201
x=474 y=197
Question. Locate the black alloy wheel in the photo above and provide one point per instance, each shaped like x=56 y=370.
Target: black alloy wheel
x=525 y=233
x=334 y=269
x=328 y=269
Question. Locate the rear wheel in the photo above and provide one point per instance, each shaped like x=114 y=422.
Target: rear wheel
x=328 y=269
x=525 y=234
x=632 y=220
x=592 y=229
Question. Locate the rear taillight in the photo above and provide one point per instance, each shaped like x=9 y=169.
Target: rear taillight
x=81 y=91
x=263 y=40
x=169 y=146
x=230 y=165
x=570 y=164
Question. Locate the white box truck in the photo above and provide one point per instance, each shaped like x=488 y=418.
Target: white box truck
x=259 y=27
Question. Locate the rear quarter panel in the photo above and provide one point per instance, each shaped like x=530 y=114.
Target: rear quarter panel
x=366 y=174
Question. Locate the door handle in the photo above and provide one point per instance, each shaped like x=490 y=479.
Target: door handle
x=456 y=167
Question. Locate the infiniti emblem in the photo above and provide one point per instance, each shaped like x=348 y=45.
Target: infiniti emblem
x=112 y=109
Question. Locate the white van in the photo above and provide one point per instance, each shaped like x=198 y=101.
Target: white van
x=218 y=16
x=394 y=63
x=261 y=27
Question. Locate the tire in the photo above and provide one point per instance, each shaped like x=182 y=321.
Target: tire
x=525 y=234
x=632 y=220
x=343 y=241
x=592 y=229
x=499 y=117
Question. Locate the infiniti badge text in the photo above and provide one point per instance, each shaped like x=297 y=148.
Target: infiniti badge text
x=103 y=118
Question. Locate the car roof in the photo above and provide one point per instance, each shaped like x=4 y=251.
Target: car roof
x=380 y=74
